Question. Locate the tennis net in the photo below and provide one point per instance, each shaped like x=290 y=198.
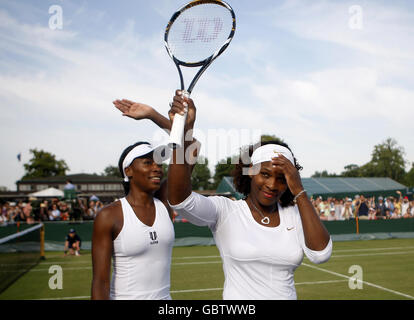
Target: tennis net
x=19 y=253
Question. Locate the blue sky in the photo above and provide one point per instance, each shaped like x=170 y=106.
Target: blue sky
x=296 y=69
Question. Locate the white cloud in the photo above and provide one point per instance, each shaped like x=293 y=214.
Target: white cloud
x=56 y=88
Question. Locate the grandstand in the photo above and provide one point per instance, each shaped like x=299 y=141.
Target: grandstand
x=333 y=187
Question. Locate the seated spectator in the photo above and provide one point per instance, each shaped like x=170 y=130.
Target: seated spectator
x=361 y=210
x=404 y=206
x=339 y=205
x=3 y=219
x=28 y=213
x=389 y=203
x=372 y=214
x=17 y=213
x=90 y=212
x=316 y=205
x=355 y=202
x=77 y=210
x=380 y=208
x=98 y=206
x=64 y=211
x=321 y=206
x=346 y=213
x=54 y=214
x=410 y=210
x=332 y=216
x=387 y=213
x=5 y=208
x=396 y=214
x=398 y=202
x=44 y=211
x=10 y=212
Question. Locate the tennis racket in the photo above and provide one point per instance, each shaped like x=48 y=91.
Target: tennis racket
x=195 y=36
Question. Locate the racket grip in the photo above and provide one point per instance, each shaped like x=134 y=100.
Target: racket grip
x=177 y=129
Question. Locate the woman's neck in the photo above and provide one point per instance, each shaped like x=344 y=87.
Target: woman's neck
x=137 y=197
x=265 y=209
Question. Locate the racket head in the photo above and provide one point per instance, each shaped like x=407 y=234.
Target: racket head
x=199 y=32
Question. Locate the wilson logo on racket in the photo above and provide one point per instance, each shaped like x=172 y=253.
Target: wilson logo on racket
x=204 y=30
x=196 y=34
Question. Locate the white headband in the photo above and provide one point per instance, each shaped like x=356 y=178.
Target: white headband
x=142 y=150
x=269 y=151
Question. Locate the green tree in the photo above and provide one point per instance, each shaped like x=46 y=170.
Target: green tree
x=351 y=170
x=44 y=164
x=387 y=161
x=270 y=137
x=222 y=169
x=201 y=175
x=323 y=174
x=165 y=170
x=111 y=171
x=409 y=177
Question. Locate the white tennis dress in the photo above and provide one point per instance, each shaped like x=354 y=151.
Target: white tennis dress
x=258 y=261
x=142 y=256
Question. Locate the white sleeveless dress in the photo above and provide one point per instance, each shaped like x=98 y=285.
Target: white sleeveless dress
x=142 y=256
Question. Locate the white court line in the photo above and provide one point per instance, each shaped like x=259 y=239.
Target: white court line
x=220 y=261
x=370 y=254
x=372 y=249
x=198 y=290
x=364 y=282
x=296 y=284
x=320 y=282
x=218 y=256
x=65 y=298
x=333 y=251
x=189 y=263
x=195 y=257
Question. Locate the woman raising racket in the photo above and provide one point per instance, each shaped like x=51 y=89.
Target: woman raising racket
x=263 y=238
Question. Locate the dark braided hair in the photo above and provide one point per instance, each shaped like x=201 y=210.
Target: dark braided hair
x=242 y=181
x=126 y=184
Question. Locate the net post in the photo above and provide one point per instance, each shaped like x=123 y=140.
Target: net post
x=42 y=242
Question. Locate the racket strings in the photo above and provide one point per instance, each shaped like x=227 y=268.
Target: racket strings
x=199 y=31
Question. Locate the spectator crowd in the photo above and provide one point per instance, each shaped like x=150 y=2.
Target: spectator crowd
x=49 y=210
x=366 y=208
x=330 y=209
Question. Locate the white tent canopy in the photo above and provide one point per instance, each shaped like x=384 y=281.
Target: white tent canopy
x=50 y=192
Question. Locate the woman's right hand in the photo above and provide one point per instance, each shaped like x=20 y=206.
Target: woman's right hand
x=180 y=105
x=135 y=110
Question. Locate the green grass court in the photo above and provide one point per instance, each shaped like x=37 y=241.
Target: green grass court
x=196 y=274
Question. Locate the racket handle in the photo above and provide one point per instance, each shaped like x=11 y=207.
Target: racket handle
x=177 y=129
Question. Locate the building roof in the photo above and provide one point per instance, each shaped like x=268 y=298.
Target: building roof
x=336 y=187
x=75 y=178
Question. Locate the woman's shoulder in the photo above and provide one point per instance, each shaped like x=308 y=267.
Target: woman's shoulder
x=225 y=203
x=110 y=211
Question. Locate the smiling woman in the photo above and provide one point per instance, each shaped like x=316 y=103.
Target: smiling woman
x=263 y=238
x=136 y=231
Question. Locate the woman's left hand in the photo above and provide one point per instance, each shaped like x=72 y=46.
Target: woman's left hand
x=292 y=176
x=133 y=109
